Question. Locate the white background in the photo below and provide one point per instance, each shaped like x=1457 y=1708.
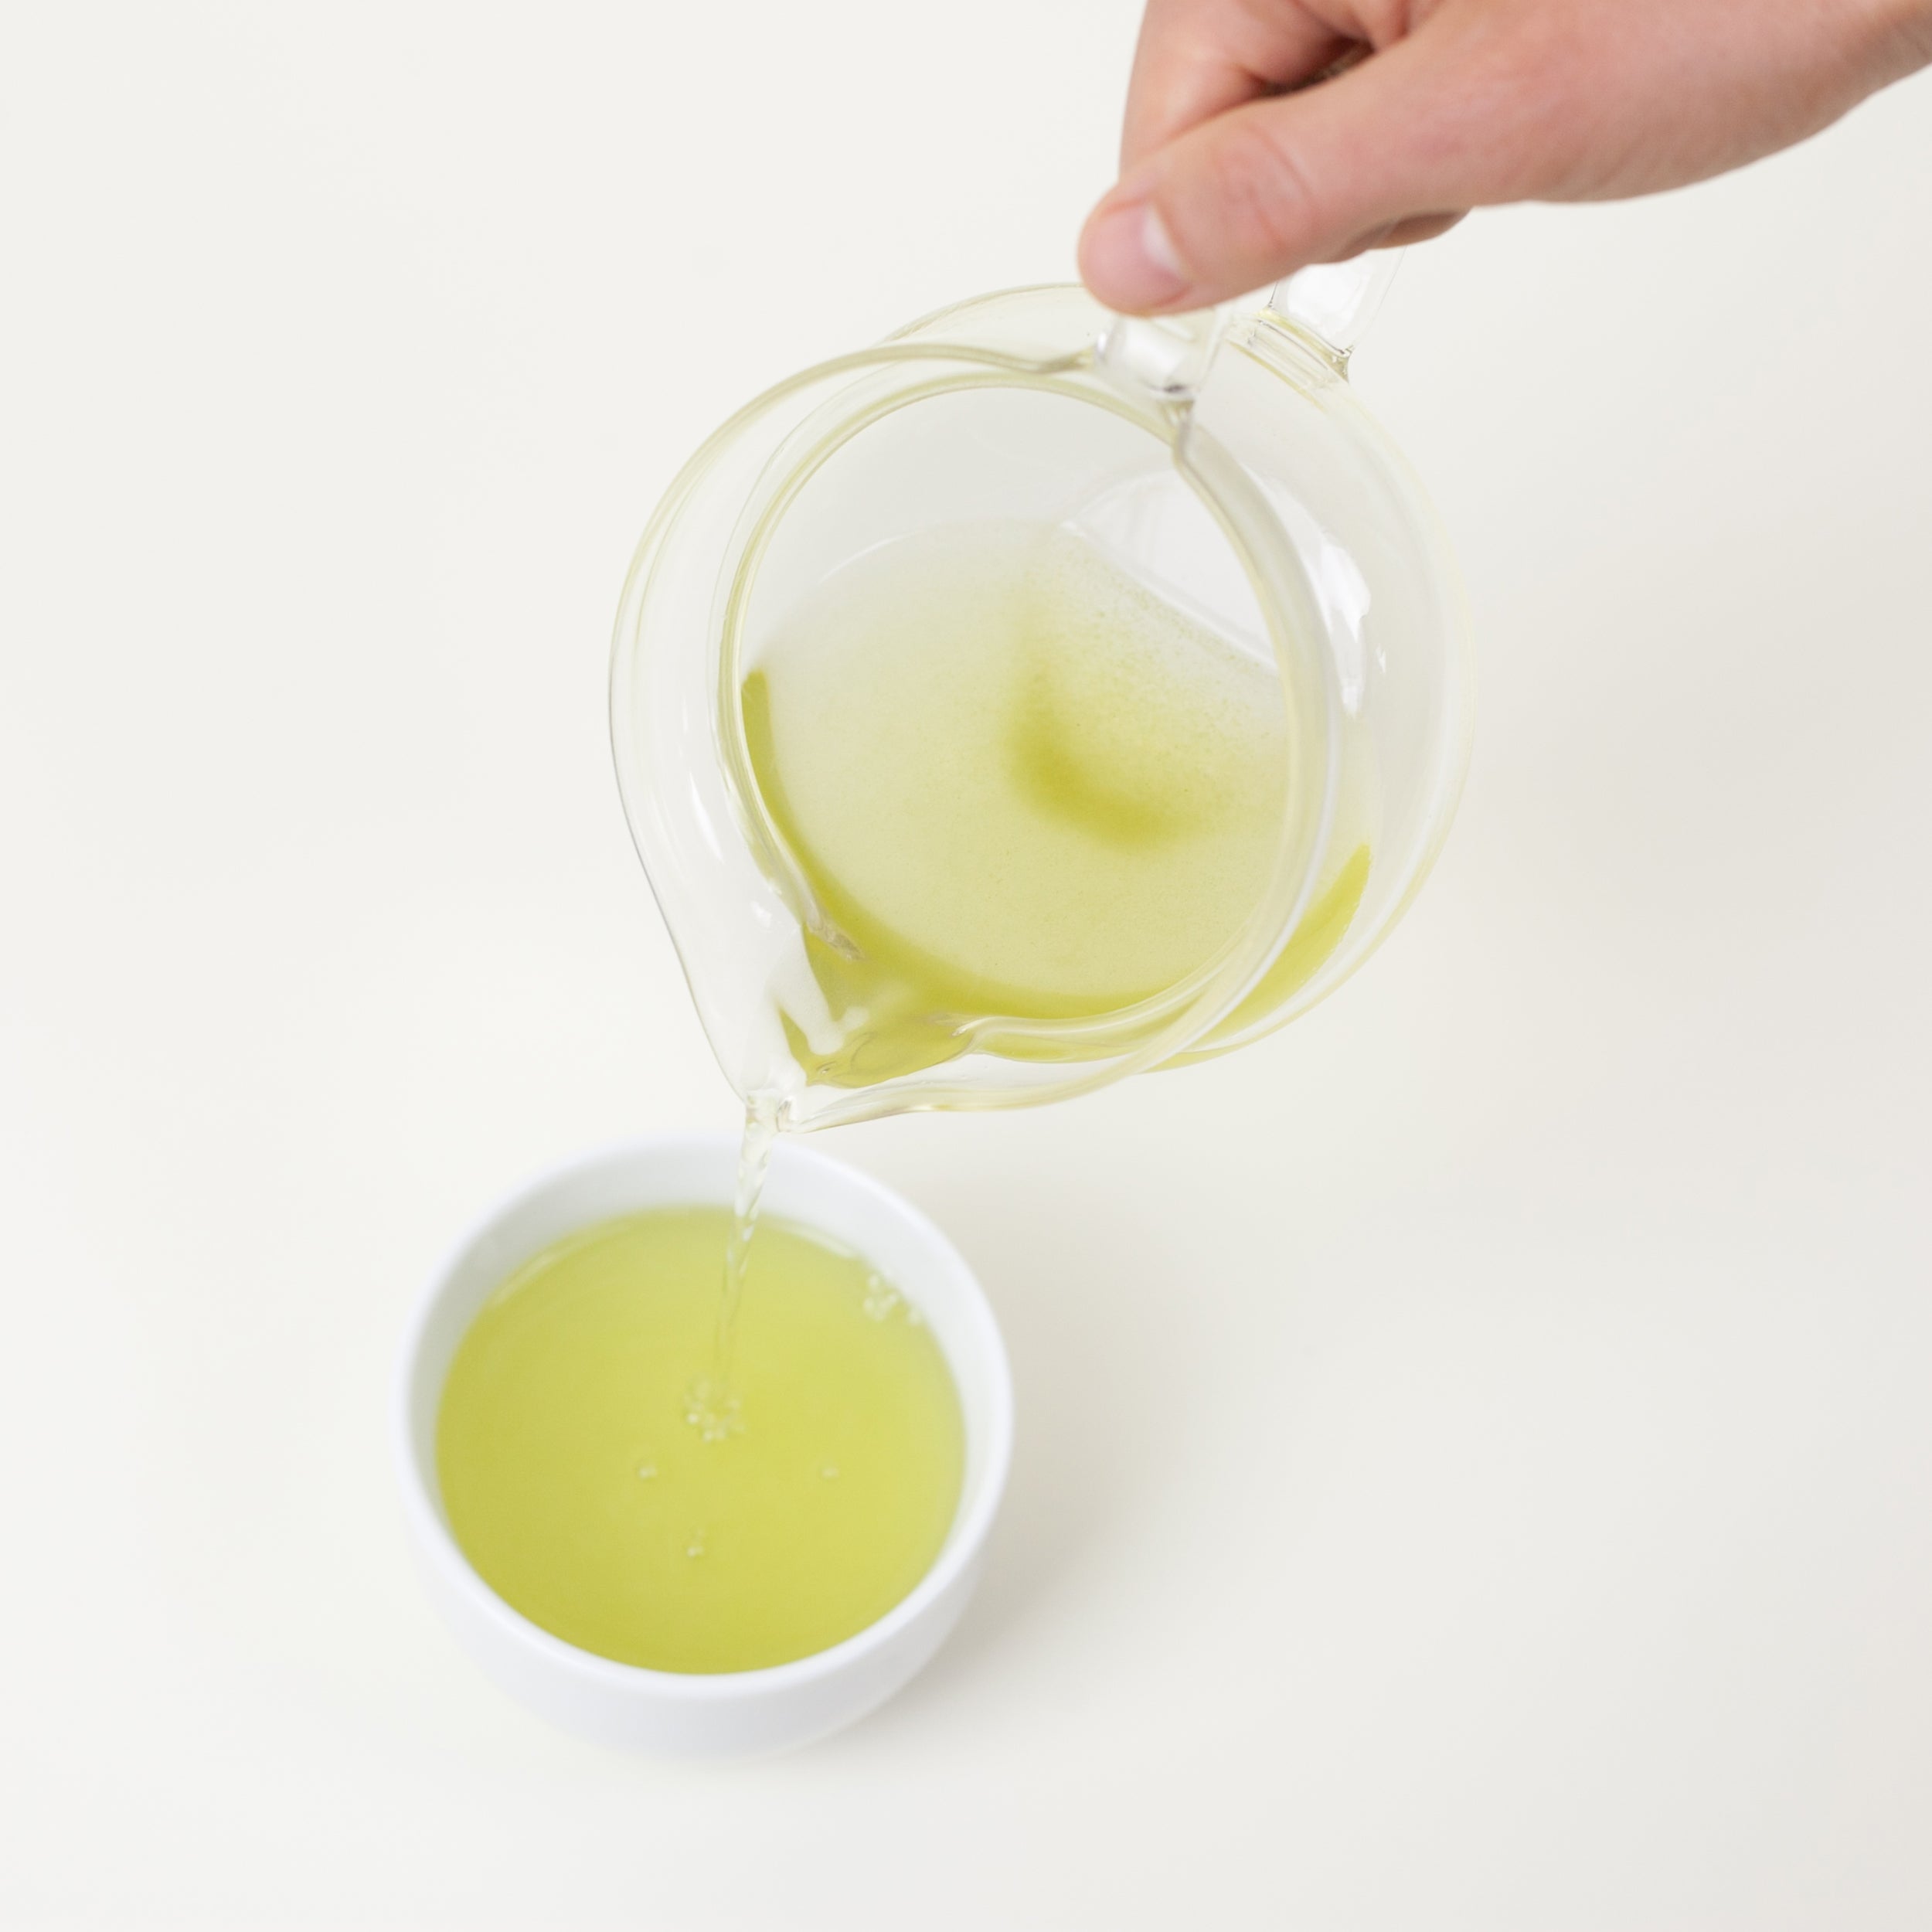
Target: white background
x=1476 y=1454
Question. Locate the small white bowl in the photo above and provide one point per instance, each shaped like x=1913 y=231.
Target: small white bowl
x=739 y=1713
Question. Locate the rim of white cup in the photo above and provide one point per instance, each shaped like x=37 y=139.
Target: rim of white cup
x=421 y=1493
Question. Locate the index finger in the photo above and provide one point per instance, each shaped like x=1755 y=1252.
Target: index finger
x=1196 y=58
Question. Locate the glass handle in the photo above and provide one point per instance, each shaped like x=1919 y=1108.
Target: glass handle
x=1335 y=302
x=1168 y=354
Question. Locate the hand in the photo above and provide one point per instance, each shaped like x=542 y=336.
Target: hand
x=1236 y=169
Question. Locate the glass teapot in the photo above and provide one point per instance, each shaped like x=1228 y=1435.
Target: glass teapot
x=1218 y=467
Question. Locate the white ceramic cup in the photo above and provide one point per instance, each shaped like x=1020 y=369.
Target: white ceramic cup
x=739 y=1713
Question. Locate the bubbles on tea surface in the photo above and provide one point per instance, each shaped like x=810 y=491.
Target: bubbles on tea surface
x=695 y=1546
x=881 y=1297
x=647 y=1471
x=830 y=1471
x=712 y=1410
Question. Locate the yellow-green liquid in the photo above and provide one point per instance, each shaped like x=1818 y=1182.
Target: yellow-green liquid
x=582 y=1494
x=1015 y=784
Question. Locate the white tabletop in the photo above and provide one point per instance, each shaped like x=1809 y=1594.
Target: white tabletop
x=1476 y=1454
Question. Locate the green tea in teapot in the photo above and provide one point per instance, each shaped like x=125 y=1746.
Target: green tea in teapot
x=1014 y=782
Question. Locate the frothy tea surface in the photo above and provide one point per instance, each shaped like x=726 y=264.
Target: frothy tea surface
x=1015 y=781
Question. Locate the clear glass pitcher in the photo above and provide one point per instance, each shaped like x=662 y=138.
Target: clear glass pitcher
x=1220 y=463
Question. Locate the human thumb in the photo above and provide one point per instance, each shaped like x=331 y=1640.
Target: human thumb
x=1390 y=151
